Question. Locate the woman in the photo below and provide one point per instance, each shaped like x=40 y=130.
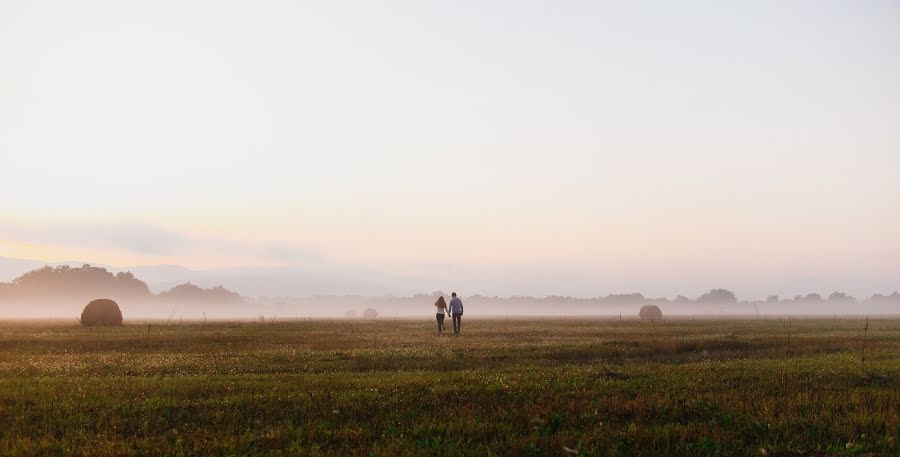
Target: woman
x=441 y=306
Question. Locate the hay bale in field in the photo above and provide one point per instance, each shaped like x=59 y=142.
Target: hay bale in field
x=370 y=313
x=650 y=313
x=102 y=311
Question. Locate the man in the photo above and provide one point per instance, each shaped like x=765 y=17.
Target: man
x=456 y=311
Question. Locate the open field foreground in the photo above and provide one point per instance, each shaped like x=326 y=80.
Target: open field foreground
x=504 y=387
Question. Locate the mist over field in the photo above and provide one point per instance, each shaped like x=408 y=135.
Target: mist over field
x=60 y=292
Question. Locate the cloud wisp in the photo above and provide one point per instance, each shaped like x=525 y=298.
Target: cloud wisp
x=144 y=239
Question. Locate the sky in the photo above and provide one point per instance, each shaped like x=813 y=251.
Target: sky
x=544 y=147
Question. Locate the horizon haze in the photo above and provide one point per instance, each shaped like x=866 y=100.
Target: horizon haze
x=55 y=292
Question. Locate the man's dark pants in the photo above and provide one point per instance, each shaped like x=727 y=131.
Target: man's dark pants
x=457 y=322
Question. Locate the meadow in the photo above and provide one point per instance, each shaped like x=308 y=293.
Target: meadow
x=707 y=387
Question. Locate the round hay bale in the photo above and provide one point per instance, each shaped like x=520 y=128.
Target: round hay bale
x=650 y=313
x=102 y=311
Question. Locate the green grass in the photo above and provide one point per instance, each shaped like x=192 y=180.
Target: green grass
x=505 y=387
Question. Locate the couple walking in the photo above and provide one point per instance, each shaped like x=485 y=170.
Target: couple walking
x=455 y=308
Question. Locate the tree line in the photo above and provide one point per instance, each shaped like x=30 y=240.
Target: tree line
x=712 y=297
x=49 y=284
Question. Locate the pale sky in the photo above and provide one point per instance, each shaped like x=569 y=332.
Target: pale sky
x=658 y=146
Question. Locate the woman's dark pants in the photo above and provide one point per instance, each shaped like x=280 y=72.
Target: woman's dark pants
x=440 y=319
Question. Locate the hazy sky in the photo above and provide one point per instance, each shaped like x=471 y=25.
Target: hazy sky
x=590 y=146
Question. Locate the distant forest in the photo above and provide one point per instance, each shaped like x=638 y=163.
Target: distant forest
x=51 y=284
x=65 y=283
x=713 y=297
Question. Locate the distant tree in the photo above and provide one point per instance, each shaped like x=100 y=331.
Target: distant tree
x=772 y=299
x=892 y=299
x=183 y=293
x=65 y=283
x=190 y=293
x=681 y=299
x=719 y=296
x=370 y=313
x=812 y=298
x=841 y=297
x=221 y=295
x=126 y=284
x=428 y=297
x=633 y=298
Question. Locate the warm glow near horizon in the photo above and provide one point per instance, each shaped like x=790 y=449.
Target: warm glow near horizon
x=585 y=146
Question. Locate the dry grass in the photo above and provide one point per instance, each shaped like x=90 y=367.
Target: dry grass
x=503 y=387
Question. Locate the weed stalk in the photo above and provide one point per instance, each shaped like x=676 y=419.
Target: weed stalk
x=865 y=338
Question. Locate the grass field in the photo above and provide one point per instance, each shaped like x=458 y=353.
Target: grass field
x=505 y=387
